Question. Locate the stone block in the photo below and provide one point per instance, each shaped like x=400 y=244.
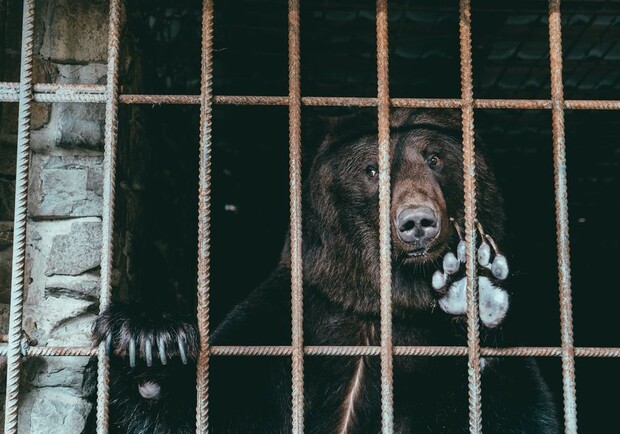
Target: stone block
x=72 y=125
x=92 y=73
x=77 y=32
x=66 y=186
x=58 y=411
x=76 y=252
x=81 y=125
x=84 y=287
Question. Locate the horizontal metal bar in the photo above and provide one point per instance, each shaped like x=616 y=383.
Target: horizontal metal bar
x=95 y=93
x=412 y=351
x=54 y=351
x=48 y=92
x=447 y=351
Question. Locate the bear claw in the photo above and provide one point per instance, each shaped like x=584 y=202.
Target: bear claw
x=162 y=350
x=493 y=300
x=131 y=333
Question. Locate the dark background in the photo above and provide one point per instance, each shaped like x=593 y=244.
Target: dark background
x=250 y=147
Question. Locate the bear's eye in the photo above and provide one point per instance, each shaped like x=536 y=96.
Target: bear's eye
x=372 y=171
x=434 y=161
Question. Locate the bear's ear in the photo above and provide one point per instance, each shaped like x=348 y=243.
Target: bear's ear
x=318 y=128
x=443 y=119
x=324 y=127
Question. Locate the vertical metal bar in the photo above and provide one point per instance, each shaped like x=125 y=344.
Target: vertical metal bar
x=295 y=203
x=109 y=181
x=14 y=355
x=383 y=114
x=469 y=183
x=204 y=217
x=561 y=207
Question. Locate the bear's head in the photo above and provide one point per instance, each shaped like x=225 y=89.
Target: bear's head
x=341 y=208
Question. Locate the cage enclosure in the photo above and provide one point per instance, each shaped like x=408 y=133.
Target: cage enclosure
x=156 y=213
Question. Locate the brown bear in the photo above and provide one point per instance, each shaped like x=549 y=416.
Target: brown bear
x=153 y=355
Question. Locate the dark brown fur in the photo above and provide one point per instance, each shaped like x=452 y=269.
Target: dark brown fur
x=341 y=307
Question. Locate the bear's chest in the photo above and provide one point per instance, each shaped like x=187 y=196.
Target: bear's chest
x=343 y=392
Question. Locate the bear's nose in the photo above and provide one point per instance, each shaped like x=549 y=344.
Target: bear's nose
x=417 y=224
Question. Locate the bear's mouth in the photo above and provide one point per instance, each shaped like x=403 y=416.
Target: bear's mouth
x=417 y=253
x=421 y=254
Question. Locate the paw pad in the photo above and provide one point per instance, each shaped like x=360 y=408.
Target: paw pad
x=493 y=300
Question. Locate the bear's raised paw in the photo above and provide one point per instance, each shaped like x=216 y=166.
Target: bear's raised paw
x=493 y=268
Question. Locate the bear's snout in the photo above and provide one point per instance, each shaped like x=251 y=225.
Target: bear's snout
x=417 y=225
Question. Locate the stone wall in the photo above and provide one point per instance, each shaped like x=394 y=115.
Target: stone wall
x=64 y=208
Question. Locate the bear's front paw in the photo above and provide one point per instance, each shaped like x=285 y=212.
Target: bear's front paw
x=493 y=268
x=138 y=335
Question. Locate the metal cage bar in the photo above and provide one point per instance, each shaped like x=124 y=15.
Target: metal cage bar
x=294 y=86
x=561 y=207
x=469 y=187
x=204 y=218
x=324 y=350
x=385 y=253
x=14 y=355
x=109 y=186
x=94 y=93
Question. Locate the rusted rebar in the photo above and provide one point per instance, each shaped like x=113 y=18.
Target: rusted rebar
x=94 y=93
x=344 y=351
x=109 y=185
x=294 y=87
x=469 y=185
x=385 y=255
x=204 y=217
x=561 y=207
x=19 y=223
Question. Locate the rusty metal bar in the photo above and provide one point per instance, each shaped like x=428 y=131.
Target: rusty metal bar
x=385 y=255
x=294 y=87
x=109 y=186
x=19 y=222
x=401 y=351
x=54 y=351
x=561 y=207
x=90 y=93
x=427 y=351
x=204 y=218
x=469 y=184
